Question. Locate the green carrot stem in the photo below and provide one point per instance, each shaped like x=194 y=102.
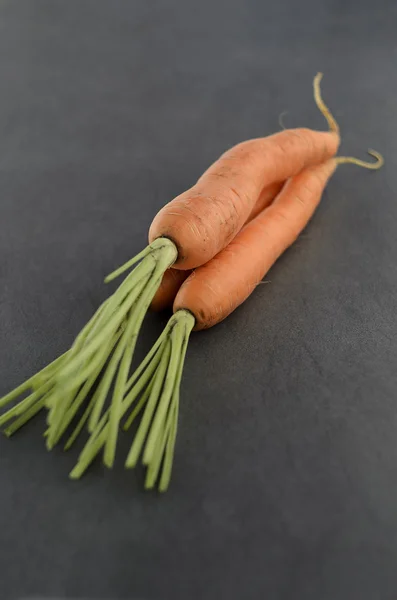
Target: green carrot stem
x=169 y=453
x=78 y=401
x=25 y=417
x=125 y=364
x=110 y=335
x=106 y=382
x=25 y=404
x=157 y=455
x=146 y=275
x=88 y=328
x=19 y=408
x=176 y=344
x=98 y=437
x=161 y=244
x=136 y=376
x=100 y=339
x=138 y=407
x=135 y=295
x=158 y=426
x=140 y=436
x=29 y=383
x=153 y=375
x=85 y=461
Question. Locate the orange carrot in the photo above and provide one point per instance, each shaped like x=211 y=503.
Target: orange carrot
x=215 y=289
x=191 y=230
x=210 y=293
x=173 y=278
x=169 y=286
x=205 y=218
x=266 y=197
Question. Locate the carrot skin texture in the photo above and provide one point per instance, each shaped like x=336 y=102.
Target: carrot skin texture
x=205 y=218
x=173 y=278
x=169 y=286
x=266 y=197
x=217 y=288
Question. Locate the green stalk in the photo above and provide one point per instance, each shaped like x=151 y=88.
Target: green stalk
x=125 y=364
x=19 y=408
x=161 y=246
x=29 y=414
x=145 y=388
x=156 y=433
x=158 y=380
x=168 y=388
x=137 y=389
x=78 y=402
x=168 y=437
x=26 y=416
x=30 y=383
x=98 y=438
x=169 y=456
x=67 y=381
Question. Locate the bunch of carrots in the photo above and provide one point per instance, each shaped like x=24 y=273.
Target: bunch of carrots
x=208 y=249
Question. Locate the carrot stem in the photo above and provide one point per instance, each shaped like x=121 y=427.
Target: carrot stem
x=155 y=389
x=160 y=244
x=156 y=434
x=78 y=402
x=107 y=340
x=31 y=382
x=27 y=416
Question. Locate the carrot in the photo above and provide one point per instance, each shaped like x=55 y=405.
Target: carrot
x=266 y=197
x=209 y=294
x=173 y=278
x=204 y=219
x=169 y=286
x=216 y=207
x=210 y=216
x=215 y=289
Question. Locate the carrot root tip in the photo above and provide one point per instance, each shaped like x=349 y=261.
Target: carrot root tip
x=340 y=160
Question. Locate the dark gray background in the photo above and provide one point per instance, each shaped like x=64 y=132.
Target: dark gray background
x=285 y=478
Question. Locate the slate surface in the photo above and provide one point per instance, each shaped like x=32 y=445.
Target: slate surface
x=285 y=480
